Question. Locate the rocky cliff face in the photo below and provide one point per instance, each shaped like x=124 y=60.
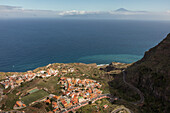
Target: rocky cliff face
x=114 y=66
x=151 y=75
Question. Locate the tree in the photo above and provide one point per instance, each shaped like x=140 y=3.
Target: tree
x=90 y=102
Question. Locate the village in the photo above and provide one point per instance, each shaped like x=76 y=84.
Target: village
x=74 y=90
x=16 y=80
x=59 y=88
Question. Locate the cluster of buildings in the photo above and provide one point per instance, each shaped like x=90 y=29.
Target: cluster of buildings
x=16 y=80
x=75 y=91
x=19 y=105
x=86 y=88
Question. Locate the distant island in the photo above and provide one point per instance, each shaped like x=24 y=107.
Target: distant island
x=122 y=9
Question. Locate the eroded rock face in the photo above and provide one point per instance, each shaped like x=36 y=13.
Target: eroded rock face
x=115 y=66
x=151 y=74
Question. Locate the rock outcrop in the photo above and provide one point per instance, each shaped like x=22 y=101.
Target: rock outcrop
x=114 y=66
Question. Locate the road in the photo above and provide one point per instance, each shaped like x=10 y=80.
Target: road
x=121 y=108
x=85 y=103
x=141 y=101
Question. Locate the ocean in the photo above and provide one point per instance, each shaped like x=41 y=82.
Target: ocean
x=26 y=44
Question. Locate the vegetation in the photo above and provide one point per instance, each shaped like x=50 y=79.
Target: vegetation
x=50 y=84
x=37 y=105
x=11 y=99
x=34 y=96
x=97 y=106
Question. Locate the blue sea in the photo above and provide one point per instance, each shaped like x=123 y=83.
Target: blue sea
x=26 y=44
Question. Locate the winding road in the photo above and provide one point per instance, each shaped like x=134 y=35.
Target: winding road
x=141 y=101
x=120 y=109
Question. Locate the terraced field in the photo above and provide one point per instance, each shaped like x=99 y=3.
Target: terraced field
x=34 y=96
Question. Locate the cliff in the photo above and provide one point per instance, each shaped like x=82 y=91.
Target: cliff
x=151 y=75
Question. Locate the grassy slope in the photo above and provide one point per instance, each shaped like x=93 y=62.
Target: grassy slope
x=34 y=96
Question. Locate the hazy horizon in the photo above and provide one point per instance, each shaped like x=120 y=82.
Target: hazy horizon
x=94 y=9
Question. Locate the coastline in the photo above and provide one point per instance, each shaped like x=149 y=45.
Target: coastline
x=88 y=64
x=98 y=59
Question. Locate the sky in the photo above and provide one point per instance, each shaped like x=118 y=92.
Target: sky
x=90 y=5
x=159 y=9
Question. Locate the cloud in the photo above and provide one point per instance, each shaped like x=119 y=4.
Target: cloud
x=4 y=8
x=127 y=13
x=168 y=11
x=73 y=12
x=19 y=12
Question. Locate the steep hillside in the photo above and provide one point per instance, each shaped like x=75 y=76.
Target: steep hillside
x=151 y=75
